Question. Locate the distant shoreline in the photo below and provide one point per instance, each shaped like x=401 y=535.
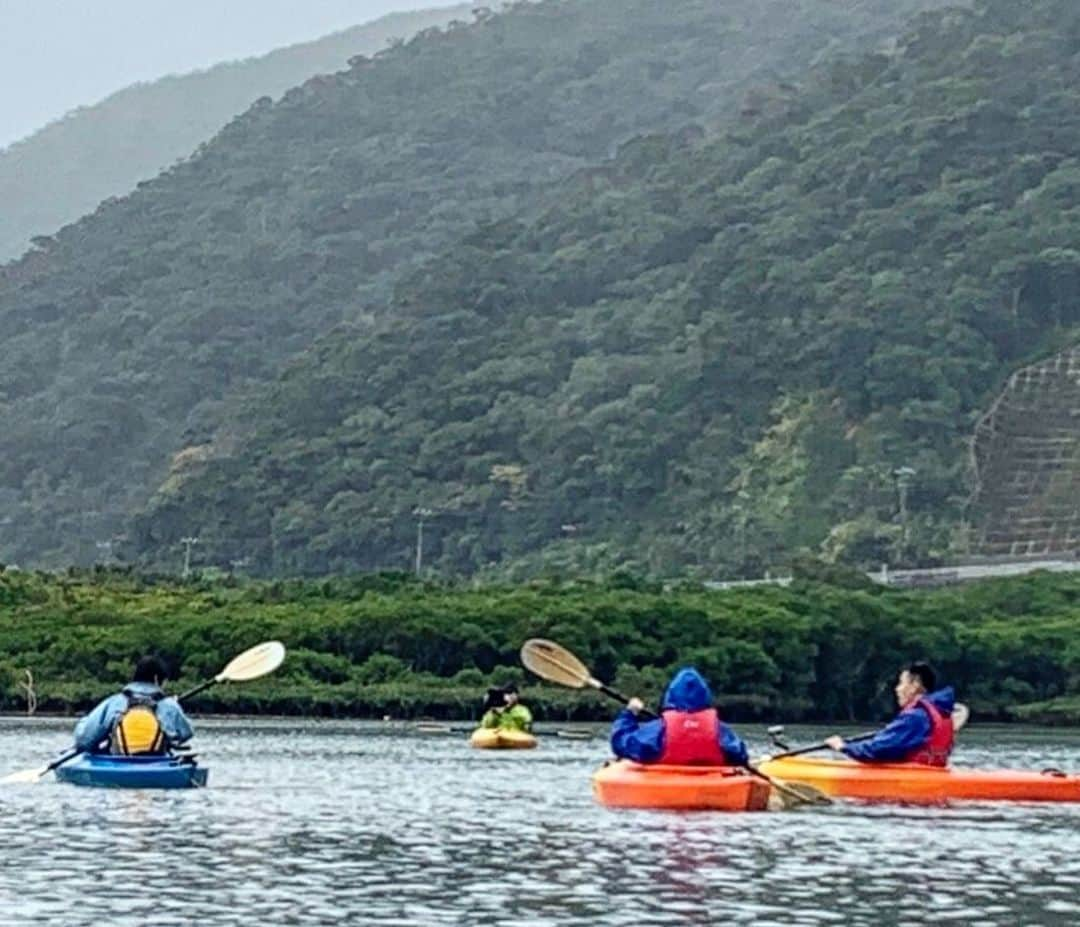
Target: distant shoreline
x=376 y=646
x=747 y=728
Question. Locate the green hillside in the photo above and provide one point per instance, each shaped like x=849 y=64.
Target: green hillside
x=707 y=355
x=65 y=169
x=135 y=333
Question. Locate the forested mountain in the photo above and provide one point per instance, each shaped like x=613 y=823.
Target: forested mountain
x=130 y=334
x=706 y=354
x=65 y=169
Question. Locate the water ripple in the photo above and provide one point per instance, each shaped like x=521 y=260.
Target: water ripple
x=307 y=823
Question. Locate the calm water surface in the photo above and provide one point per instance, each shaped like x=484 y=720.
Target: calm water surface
x=358 y=823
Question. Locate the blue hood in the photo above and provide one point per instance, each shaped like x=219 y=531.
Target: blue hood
x=688 y=691
x=944 y=700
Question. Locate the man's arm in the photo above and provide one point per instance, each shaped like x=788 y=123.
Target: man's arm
x=174 y=722
x=631 y=740
x=735 y=752
x=96 y=726
x=905 y=733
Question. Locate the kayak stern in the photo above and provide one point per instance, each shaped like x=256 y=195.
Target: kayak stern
x=624 y=784
x=132 y=772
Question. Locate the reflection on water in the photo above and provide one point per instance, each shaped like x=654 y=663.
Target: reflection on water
x=309 y=823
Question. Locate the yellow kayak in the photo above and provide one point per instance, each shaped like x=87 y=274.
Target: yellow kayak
x=912 y=783
x=491 y=738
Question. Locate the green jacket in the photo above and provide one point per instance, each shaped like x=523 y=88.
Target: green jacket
x=518 y=718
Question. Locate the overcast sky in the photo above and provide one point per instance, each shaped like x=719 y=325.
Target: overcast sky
x=56 y=55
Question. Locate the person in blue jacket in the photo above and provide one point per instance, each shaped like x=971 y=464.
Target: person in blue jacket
x=923 y=732
x=140 y=719
x=688 y=732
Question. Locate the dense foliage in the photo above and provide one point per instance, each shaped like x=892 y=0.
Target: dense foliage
x=709 y=353
x=65 y=169
x=383 y=644
x=132 y=334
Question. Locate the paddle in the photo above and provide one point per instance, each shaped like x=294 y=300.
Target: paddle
x=435 y=727
x=960 y=717
x=554 y=663
x=820 y=746
x=251 y=664
x=428 y=727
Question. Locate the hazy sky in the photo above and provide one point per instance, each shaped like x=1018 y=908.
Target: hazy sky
x=59 y=54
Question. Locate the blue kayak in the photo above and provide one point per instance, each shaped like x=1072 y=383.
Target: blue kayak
x=132 y=772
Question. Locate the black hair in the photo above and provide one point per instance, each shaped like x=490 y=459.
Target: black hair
x=495 y=698
x=924 y=672
x=149 y=669
x=510 y=687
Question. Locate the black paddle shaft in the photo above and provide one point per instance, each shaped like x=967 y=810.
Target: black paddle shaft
x=619 y=697
x=821 y=746
x=196 y=690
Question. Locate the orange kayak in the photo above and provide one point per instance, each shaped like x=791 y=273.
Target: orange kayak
x=623 y=784
x=911 y=782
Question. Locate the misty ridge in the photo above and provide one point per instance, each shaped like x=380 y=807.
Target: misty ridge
x=62 y=171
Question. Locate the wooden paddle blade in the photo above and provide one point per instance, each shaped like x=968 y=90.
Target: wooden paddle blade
x=549 y=661
x=797 y=794
x=960 y=715
x=251 y=664
x=789 y=794
x=783 y=796
x=27 y=776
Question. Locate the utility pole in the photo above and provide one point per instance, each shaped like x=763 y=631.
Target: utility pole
x=903 y=481
x=420 y=514
x=188 y=543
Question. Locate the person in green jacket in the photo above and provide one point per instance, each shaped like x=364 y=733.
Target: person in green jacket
x=504 y=711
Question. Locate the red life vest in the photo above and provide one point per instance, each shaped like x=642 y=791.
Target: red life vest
x=690 y=738
x=935 y=751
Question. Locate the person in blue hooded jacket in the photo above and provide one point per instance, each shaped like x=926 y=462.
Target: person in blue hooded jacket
x=140 y=719
x=923 y=732
x=688 y=732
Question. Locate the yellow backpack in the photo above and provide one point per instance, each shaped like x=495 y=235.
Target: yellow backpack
x=138 y=731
